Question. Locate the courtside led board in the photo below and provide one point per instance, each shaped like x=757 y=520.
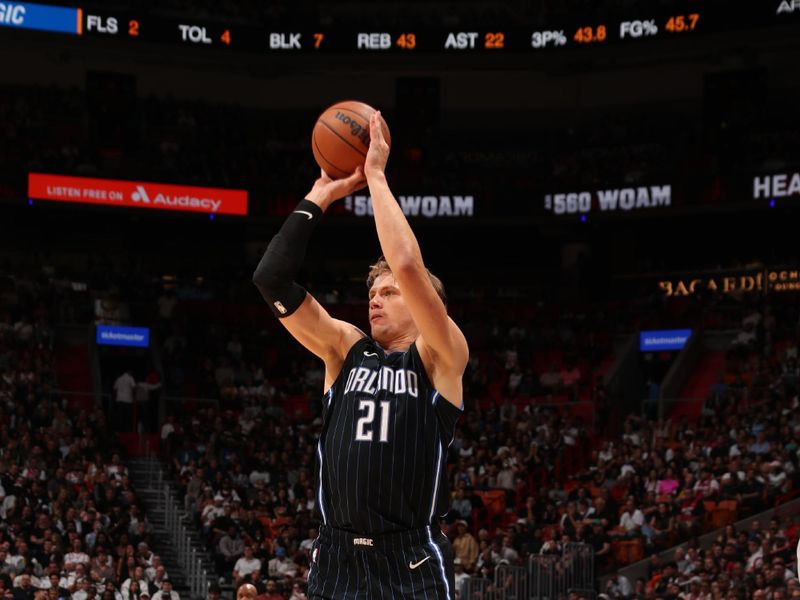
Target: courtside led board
x=136 y=194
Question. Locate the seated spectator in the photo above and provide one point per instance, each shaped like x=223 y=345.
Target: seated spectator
x=601 y=544
x=25 y=589
x=271 y=592
x=166 y=592
x=245 y=566
x=137 y=579
x=282 y=565
x=156 y=575
x=631 y=520
x=662 y=524
x=230 y=549
x=102 y=566
x=460 y=576
x=464 y=545
x=461 y=505
x=77 y=556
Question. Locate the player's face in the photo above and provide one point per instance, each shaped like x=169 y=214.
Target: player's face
x=389 y=316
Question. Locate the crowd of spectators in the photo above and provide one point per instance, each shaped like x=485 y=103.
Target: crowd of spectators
x=522 y=471
x=524 y=475
x=756 y=562
x=527 y=476
x=745 y=450
x=253 y=494
x=71 y=526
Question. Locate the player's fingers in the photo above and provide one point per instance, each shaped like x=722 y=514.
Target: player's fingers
x=361 y=180
x=356 y=180
x=375 y=128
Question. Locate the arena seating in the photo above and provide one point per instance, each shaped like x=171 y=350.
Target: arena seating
x=70 y=522
x=525 y=473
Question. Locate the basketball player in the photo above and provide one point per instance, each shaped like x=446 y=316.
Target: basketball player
x=390 y=407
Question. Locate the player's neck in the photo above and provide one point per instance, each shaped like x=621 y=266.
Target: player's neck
x=400 y=343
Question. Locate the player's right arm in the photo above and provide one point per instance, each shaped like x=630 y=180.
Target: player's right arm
x=298 y=311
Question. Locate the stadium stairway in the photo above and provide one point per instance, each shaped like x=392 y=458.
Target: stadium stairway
x=696 y=389
x=73 y=369
x=151 y=492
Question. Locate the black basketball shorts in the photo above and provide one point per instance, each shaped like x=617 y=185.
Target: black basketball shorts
x=411 y=564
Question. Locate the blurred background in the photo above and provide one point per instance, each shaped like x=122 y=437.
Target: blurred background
x=607 y=190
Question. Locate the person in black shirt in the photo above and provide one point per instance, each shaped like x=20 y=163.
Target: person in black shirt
x=601 y=543
x=25 y=590
x=662 y=522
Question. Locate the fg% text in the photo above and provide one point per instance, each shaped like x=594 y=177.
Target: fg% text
x=637 y=29
x=548 y=39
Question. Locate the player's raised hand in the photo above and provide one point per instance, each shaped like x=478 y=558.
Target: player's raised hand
x=327 y=191
x=378 y=153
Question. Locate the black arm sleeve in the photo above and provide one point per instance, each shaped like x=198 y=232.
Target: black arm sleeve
x=275 y=274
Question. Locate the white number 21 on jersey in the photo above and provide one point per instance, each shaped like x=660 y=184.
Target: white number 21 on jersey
x=363 y=434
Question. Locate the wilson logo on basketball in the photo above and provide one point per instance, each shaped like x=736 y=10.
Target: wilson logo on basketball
x=355 y=128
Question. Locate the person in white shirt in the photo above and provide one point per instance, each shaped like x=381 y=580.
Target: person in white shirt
x=124 y=388
x=461 y=575
x=307 y=543
x=259 y=473
x=211 y=512
x=49 y=582
x=138 y=575
x=632 y=519
x=607 y=453
x=116 y=470
x=85 y=589
x=245 y=565
x=281 y=565
x=167 y=428
x=77 y=556
x=156 y=574
x=619 y=587
x=508 y=552
x=16 y=560
x=6 y=502
x=71 y=581
x=166 y=592
x=144 y=556
x=756 y=558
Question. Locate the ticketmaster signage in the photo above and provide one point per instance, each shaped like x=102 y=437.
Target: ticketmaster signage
x=116 y=335
x=622 y=199
x=665 y=339
x=418 y=206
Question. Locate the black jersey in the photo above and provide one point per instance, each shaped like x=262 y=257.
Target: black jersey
x=383 y=446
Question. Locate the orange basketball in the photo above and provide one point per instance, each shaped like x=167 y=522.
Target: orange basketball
x=340 y=139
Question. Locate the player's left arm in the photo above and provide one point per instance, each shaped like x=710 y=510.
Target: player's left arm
x=440 y=337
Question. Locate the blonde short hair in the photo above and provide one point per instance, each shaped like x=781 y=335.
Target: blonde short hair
x=381 y=267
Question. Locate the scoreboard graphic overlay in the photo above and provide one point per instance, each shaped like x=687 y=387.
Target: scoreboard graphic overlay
x=696 y=18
